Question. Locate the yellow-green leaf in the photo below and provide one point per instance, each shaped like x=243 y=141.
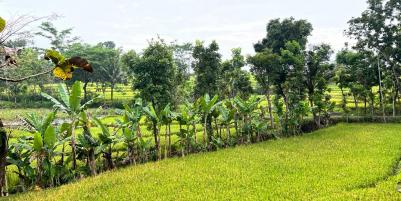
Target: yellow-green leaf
x=2 y=24
x=37 y=142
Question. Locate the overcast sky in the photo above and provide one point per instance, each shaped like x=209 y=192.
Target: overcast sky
x=232 y=23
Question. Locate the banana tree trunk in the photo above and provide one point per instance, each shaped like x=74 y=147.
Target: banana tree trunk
x=165 y=142
x=169 y=139
x=92 y=161
x=73 y=146
x=157 y=141
x=194 y=129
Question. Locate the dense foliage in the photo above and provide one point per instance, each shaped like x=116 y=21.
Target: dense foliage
x=343 y=162
x=184 y=98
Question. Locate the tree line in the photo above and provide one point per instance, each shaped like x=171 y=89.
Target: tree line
x=191 y=85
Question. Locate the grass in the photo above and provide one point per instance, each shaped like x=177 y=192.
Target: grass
x=344 y=162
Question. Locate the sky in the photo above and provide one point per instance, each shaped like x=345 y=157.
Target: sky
x=232 y=23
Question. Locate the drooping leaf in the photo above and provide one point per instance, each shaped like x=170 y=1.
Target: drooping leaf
x=54 y=56
x=81 y=63
x=104 y=128
x=64 y=94
x=37 y=142
x=75 y=96
x=65 y=127
x=47 y=121
x=50 y=137
x=151 y=113
x=56 y=103
x=33 y=121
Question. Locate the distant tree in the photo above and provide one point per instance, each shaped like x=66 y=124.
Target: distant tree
x=279 y=32
x=264 y=66
x=155 y=74
x=110 y=66
x=207 y=68
x=377 y=30
x=182 y=54
x=361 y=76
x=59 y=39
x=235 y=81
x=318 y=74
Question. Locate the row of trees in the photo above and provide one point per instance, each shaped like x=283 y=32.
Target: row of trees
x=293 y=75
x=57 y=154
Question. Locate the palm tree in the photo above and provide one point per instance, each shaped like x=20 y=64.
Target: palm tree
x=71 y=105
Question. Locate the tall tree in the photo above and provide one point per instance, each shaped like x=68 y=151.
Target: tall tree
x=318 y=72
x=235 y=81
x=207 y=68
x=263 y=66
x=59 y=39
x=279 y=32
x=154 y=74
x=377 y=30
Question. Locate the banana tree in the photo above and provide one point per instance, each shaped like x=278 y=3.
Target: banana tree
x=87 y=145
x=70 y=104
x=107 y=141
x=187 y=137
x=226 y=116
x=45 y=143
x=131 y=129
x=19 y=154
x=186 y=140
x=154 y=118
x=207 y=106
x=246 y=109
x=166 y=117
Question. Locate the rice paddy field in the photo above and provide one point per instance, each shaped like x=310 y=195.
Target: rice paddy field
x=343 y=162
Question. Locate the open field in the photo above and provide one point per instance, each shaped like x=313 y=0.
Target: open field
x=359 y=160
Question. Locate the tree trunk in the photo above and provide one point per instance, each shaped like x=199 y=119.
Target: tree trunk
x=111 y=92
x=73 y=146
x=157 y=142
x=169 y=140
x=204 y=130
x=92 y=161
x=365 y=105
x=165 y=142
x=209 y=129
x=228 y=133
x=356 y=103
x=85 y=90
x=269 y=105
x=194 y=129
x=3 y=160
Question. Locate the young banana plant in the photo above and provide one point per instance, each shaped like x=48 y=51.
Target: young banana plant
x=107 y=141
x=207 y=106
x=166 y=117
x=131 y=130
x=154 y=118
x=45 y=143
x=246 y=109
x=226 y=116
x=71 y=104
